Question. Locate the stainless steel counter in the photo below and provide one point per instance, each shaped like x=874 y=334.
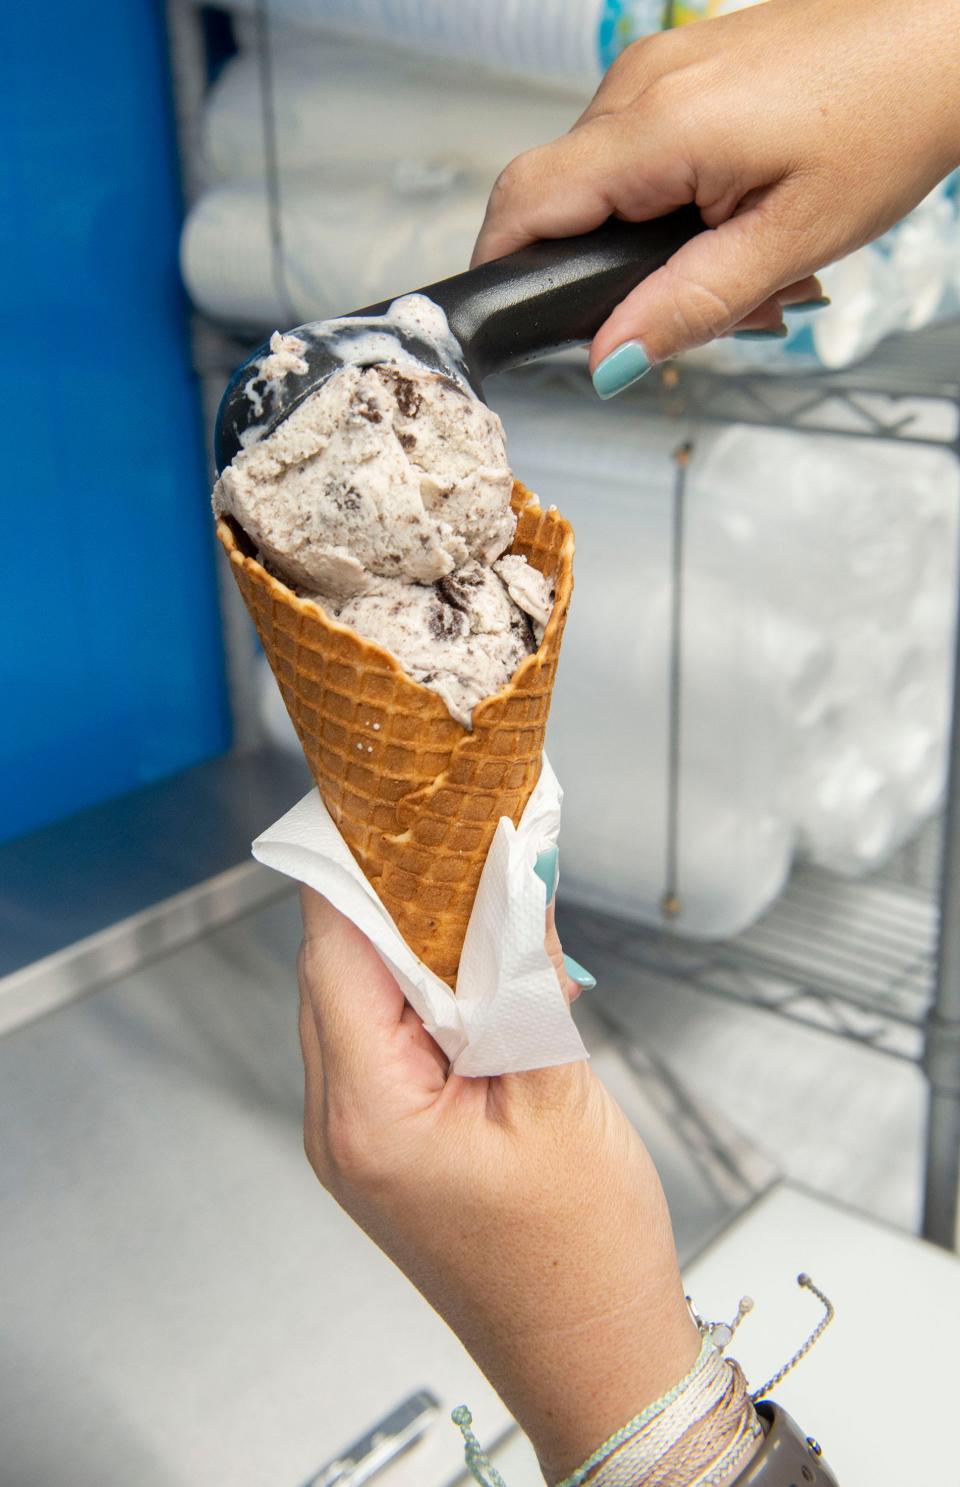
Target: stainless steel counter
x=106 y=865
x=181 y=1301
x=103 y=892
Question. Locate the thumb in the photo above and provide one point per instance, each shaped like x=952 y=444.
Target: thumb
x=354 y=1000
x=370 y=1049
x=706 y=289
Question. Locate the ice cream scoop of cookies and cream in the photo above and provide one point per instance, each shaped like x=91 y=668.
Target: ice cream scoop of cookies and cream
x=385 y=498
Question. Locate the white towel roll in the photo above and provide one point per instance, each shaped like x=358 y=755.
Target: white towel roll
x=342 y=248
x=567 y=39
x=818 y=587
x=835 y=526
x=361 y=108
x=849 y=814
x=612 y=474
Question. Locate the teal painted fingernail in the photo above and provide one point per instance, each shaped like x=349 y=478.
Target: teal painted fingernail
x=576 y=972
x=805 y=305
x=547 y=869
x=625 y=365
x=761 y=335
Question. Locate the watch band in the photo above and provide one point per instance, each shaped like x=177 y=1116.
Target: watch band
x=787 y=1458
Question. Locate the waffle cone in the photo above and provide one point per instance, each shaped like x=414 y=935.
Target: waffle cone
x=416 y=796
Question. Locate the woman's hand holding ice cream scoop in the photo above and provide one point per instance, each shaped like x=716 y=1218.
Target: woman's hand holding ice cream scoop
x=802 y=129
x=525 y=1207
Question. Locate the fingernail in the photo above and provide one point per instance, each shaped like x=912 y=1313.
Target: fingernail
x=805 y=305
x=576 y=972
x=761 y=335
x=547 y=869
x=625 y=365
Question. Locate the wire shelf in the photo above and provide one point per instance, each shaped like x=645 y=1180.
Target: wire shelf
x=886 y=396
x=918 y=863
x=851 y=958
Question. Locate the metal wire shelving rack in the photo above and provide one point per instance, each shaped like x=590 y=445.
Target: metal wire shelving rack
x=878 y=961
x=875 y=962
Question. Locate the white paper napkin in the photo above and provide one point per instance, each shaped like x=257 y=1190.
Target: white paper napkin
x=509 y=1013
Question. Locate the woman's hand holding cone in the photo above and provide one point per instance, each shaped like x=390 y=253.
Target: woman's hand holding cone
x=524 y=1207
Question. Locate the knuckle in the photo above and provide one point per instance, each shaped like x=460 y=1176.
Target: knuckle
x=623 y=69
x=317 y=1156
x=304 y=1018
x=634 y=63
x=672 y=95
x=307 y=966
x=503 y=189
x=651 y=59
x=347 y=1159
x=678 y=50
x=701 y=313
x=355 y=1159
x=513 y=180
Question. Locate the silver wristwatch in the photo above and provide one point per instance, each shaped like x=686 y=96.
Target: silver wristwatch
x=787 y=1458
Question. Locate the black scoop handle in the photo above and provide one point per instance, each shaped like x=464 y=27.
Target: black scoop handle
x=555 y=294
x=544 y=298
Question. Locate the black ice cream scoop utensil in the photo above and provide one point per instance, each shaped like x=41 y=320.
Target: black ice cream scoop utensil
x=544 y=298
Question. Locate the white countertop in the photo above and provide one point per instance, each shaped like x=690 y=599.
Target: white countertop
x=879 y=1390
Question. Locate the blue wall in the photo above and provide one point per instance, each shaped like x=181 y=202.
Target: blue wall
x=111 y=668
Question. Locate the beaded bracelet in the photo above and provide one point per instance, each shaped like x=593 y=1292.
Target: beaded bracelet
x=694 y=1435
